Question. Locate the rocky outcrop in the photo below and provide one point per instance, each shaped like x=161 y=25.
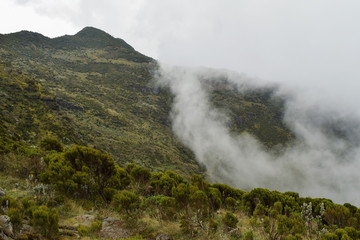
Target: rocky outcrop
x=112 y=228
x=6 y=228
x=85 y=220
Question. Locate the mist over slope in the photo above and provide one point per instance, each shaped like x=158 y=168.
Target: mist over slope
x=322 y=161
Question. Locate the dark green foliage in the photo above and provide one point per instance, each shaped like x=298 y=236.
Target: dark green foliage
x=22 y=164
x=284 y=225
x=227 y=191
x=214 y=198
x=123 y=176
x=126 y=201
x=16 y=216
x=8 y=202
x=163 y=183
x=337 y=215
x=28 y=205
x=293 y=237
x=109 y=193
x=340 y=232
x=51 y=144
x=295 y=195
x=167 y=207
x=329 y=236
x=181 y=193
x=278 y=208
x=82 y=172
x=260 y=210
x=199 y=182
x=199 y=201
x=249 y=236
x=139 y=174
x=45 y=220
x=230 y=220
x=260 y=195
x=230 y=203
x=83 y=230
x=352 y=233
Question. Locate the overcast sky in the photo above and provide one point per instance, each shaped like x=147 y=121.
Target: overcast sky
x=309 y=42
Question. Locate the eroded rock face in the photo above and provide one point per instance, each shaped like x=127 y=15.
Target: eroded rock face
x=5 y=226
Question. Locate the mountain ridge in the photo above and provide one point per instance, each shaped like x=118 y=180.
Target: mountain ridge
x=105 y=90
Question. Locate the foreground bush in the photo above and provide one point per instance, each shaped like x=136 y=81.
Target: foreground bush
x=83 y=172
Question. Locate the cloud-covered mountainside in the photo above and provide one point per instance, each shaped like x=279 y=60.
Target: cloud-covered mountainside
x=323 y=160
x=93 y=89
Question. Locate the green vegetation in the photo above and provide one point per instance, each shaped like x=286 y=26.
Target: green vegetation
x=147 y=201
x=95 y=90
x=86 y=144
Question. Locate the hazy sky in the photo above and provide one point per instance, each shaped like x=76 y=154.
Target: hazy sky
x=307 y=41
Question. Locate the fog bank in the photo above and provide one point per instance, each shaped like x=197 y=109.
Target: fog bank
x=324 y=162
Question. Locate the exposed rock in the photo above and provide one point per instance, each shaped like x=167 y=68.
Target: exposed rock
x=112 y=228
x=6 y=226
x=2 y=192
x=26 y=229
x=68 y=231
x=110 y=221
x=85 y=220
x=4 y=237
x=163 y=237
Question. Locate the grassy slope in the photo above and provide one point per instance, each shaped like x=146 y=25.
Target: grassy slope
x=96 y=90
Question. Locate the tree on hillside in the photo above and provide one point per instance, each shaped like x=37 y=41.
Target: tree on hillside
x=82 y=172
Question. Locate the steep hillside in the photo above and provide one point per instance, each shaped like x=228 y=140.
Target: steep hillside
x=94 y=89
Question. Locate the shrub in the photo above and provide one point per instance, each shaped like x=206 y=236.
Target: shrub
x=284 y=225
x=199 y=182
x=163 y=183
x=329 y=236
x=230 y=203
x=8 y=202
x=45 y=220
x=227 y=191
x=214 y=198
x=139 y=174
x=199 y=200
x=230 y=220
x=181 y=193
x=278 y=207
x=51 y=144
x=340 y=232
x=337 y=215
x=95 y=226
x=81 y=172
x=83 y=230
x=249 y=235
x=293 y=237
x=15 y=215
x=260 y=210
x=126 y=201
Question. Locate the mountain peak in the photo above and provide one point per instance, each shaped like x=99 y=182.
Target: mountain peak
x=94 y=37
x=92 y=32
